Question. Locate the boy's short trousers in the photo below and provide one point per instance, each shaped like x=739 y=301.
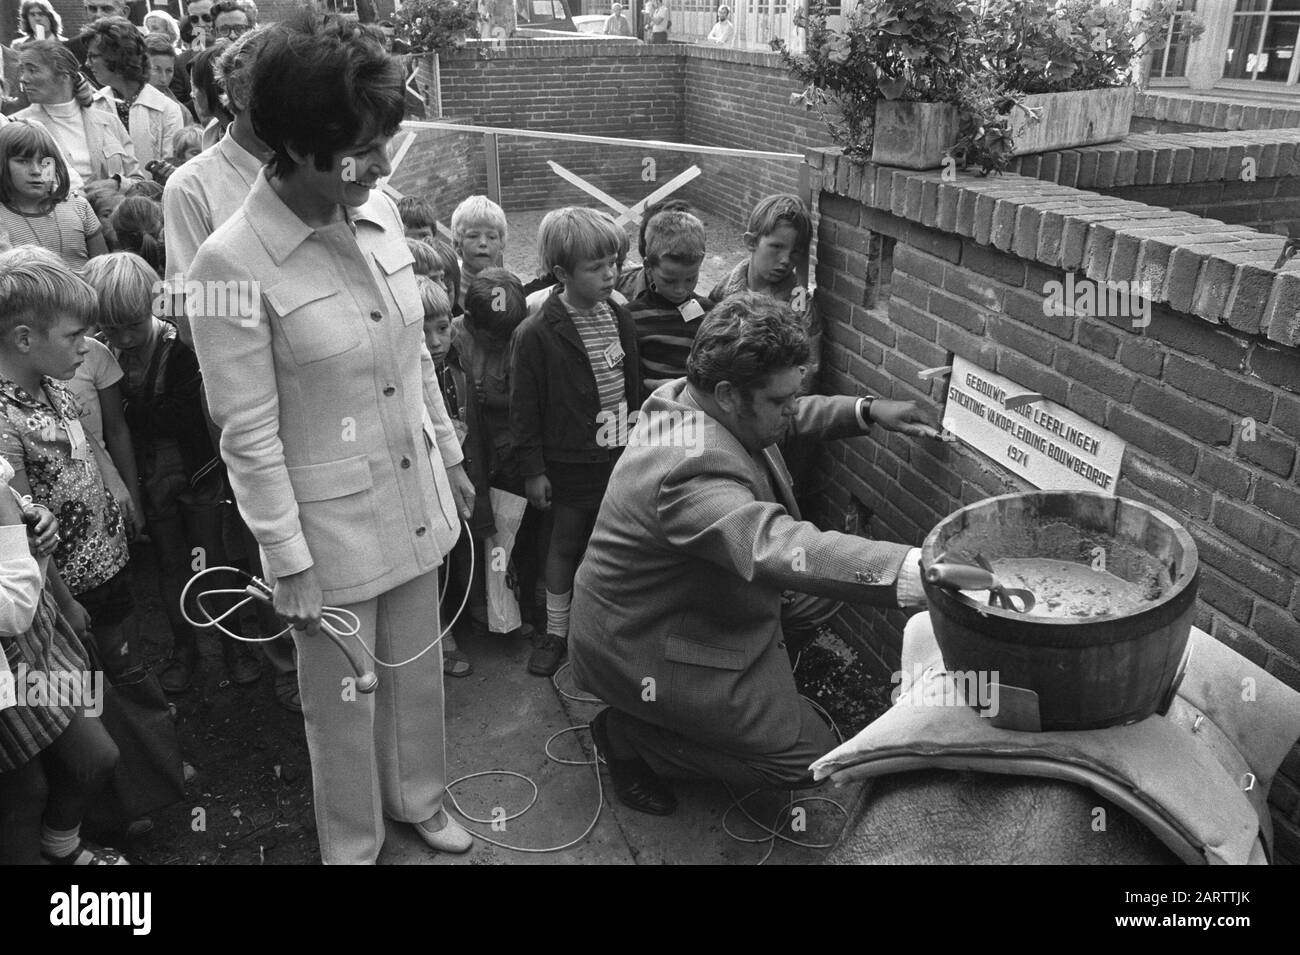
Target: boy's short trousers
x=111 y=602
x=167 y=488
x=579 y=486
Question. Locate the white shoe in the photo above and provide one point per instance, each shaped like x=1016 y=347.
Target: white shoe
x=451 y=837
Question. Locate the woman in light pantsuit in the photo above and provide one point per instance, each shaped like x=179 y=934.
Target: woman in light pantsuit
x=340 y=451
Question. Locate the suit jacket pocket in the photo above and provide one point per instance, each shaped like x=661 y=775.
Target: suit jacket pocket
x=680 y=650
x=398 y=266
x=340 y=519
x=313 y=321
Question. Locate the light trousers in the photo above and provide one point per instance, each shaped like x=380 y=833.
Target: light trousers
x=382 y=754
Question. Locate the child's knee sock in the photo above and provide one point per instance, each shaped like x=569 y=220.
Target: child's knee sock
x=60 y=842
x=557 y=613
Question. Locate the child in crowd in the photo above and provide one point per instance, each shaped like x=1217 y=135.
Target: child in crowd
x=186 y=144
x=96 y=387
x=145 y=189
x=479 y=227
x=494 y=307
x=138 y=225
x=54 y=757
x=419 y=218
x=177 y=465
x=37 y=206
x=104 y=196
x=631 y=282
x=778 y=237
x=435 y=259
x=666 y=310
x=42 y=342
x=559 y=422
x=438 y=339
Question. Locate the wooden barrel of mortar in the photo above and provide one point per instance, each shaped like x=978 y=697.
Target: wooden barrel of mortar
x=1088 y=672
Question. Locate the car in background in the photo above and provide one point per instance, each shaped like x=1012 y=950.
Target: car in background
x=539 y=15
x=591 y=23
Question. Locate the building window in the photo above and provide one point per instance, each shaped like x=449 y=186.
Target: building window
x=1172 y=59
x=1262 y=44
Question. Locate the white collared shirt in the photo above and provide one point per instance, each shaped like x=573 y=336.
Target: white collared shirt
x=155 y=121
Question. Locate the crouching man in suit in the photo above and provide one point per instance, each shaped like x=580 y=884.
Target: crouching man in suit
x=676 y=617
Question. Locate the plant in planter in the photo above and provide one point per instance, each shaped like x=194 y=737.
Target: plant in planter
x=435 y=26
x=980 y=59
x=891 y=50
x=1033 y=48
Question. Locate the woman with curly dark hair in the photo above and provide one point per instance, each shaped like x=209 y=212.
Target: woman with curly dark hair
x=117 y=56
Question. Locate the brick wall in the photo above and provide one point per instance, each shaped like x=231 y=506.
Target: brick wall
x=444 y=167
x=741 y=99
x=969 y=262
x=1168 y=112
x=674 y=93
x=1246 y=177
x=576 y=88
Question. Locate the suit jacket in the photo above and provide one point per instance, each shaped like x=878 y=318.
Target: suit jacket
x=682 y=579
x=333 y=427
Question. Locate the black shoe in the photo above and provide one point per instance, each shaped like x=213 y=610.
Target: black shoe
x=177 y=675
x=635 y=783
x=547 y=655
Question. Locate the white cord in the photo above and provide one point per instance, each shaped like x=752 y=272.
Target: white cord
x=337 y=620
x=344 y=623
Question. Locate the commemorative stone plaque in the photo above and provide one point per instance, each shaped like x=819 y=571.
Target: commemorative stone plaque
x=1049 y=446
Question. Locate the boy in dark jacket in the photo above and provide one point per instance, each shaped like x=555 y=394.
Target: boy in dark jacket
x=574 y=380
x=180 y=473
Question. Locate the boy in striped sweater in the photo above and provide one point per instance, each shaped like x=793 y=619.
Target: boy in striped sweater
x=665 y=308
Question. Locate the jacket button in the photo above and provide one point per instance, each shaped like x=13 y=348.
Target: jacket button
x=376 y=316
x=406 y=462
x=390 y=391
x=420 y=531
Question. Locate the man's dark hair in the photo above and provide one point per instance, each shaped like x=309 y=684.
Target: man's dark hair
x=745 y=339
x=321 y=86
x=666 y=205
x=121 y=45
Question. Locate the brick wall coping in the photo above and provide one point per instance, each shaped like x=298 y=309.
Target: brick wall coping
x=1157 y=159
x=530 y=49
x=1215 y=113
x=1219 y=272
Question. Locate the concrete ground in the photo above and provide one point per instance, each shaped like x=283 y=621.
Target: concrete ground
x=500 y=717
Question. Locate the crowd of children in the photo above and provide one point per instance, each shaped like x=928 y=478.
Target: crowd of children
x=103 y=427
x=535 y=381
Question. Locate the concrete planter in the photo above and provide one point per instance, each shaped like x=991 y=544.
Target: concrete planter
x=913 y=135
x=1072 y=119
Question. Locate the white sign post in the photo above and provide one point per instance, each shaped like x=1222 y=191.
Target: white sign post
x=1051 y=447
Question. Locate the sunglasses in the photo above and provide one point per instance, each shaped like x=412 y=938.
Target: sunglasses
x=196 y=18
x=232 y=30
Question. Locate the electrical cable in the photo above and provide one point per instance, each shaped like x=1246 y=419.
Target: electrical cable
x=340 y=624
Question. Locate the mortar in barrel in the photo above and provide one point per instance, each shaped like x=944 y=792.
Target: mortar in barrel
x=1115 y=583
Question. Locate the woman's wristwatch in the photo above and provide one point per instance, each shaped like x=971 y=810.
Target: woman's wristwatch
x=864 y=410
